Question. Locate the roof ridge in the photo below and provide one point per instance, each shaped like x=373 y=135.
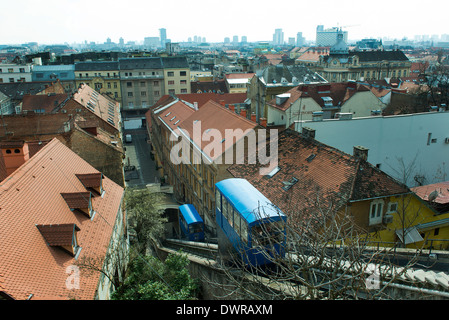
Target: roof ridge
x=216 y=104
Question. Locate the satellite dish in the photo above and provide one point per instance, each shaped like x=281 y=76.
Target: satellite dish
x=433 y=195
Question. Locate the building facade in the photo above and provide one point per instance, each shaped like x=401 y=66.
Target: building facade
x=343 y=65
x=10 y=73
x=103 y=76
x=64 y=73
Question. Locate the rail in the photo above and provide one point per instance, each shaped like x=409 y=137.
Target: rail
x=203 y=249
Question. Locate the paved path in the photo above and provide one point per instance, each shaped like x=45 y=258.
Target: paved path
x=138 y=154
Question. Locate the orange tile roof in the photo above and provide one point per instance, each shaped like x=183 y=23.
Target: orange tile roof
x=100 y=105
x=437 y=192
x=174 y=114
x=214 y=116
x=32 y=196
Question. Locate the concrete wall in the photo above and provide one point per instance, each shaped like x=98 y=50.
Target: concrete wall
x=414 y=142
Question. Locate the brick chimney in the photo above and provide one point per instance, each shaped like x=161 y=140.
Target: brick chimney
x=15 y=153
x=243 y=113
x=263 y=122
x=253 y=117
x=360 y=152
x=232 y=107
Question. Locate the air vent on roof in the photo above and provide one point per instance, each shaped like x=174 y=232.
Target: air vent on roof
x=311 y=157
x=273 y=172
x=289 y=184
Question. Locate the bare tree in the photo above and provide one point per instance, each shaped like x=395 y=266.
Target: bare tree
x=326 y=257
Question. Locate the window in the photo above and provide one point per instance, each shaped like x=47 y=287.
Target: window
x=171 y=82
x=183 y=81
x=129 y=84
x=142 y=83
x=392 y=207
x=183 y=73
x=156 y=83
x=170 y=74
x=376 y=209
x=143 y=93
x=130 y=94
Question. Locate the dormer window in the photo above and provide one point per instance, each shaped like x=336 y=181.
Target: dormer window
x=80 y=202
x=92 y=182
x=63 y=236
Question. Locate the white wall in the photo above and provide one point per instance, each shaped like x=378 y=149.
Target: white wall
x=391 y=140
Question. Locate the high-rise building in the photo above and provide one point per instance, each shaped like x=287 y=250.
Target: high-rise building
x=300 y=40
x=163 y=36
x=278 y=37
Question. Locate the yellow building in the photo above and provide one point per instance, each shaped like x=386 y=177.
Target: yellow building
x=176 y=75
x=414 y=221
x=342 y=65
x=103 y=76
x=238 y=82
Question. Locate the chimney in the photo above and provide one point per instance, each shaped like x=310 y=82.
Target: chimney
x=15 y=153
x=232 y=107
x=195 y=106
x=253 y=117
x=222 y=102
x=243 y=113
x=308 y=133
x=263 y=122
x=361 y=152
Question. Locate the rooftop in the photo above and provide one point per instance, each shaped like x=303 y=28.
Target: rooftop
x=33 y=260
x=310 y=174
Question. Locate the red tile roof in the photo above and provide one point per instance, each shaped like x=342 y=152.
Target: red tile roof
x=100 y=105
x=326 y=177
x=46 y=102
x=32 y=196
x=214 y=116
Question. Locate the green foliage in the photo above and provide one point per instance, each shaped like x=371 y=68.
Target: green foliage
x=152 y=279
x=145 y=213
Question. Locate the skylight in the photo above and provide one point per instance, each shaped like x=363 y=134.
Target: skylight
x=273 y=172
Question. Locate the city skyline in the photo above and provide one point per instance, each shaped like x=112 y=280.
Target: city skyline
x=77 y=21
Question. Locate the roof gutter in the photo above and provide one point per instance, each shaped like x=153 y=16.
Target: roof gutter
x=380 y=197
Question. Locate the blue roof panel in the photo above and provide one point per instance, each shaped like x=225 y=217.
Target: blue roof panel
x=247 y=199
x=190 y=214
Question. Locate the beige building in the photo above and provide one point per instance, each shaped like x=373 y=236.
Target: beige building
x=176 y=75
x=323 y=101
x=103 y=76
x=343 y=65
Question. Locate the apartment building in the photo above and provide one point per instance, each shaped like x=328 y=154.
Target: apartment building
x=194 y=179
x=103 y=76
x=10 y=73
x=142 y=83
x=145 y=80
x=64 y=73
x=176 y=75
x=342 y=65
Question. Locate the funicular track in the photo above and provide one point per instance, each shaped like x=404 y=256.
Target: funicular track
x=202 y=249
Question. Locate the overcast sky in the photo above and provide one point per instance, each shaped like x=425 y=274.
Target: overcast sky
x=59 y=21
